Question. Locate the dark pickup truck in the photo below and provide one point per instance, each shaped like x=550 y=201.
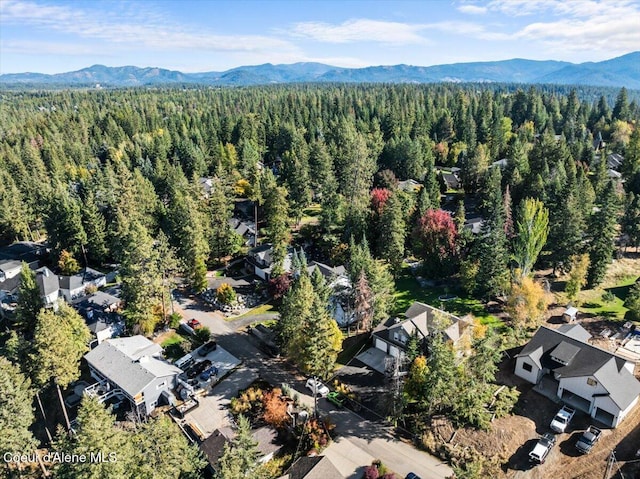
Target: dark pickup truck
x=588 y=440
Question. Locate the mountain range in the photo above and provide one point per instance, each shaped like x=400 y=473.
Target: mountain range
x=616 y=72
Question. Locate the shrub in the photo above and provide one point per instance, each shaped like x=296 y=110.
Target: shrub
x=371 y=472
x=608 y=296
x=225 y=294
x=174 y=320
x=201 y=336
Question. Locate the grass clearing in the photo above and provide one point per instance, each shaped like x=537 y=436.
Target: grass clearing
x=262 y=309
x=620 y=276
x=174 y=338
x=408 y=290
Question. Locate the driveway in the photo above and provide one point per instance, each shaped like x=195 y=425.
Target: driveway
x=360 y=441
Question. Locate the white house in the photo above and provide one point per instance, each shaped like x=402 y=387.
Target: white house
x=588 y=378
x=260 y=261
x=49 y=286
x=391 y=337
x=73 y=287
x=131 y=368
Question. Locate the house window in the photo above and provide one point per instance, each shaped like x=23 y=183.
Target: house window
x=527 y=367
x=592 y=382
x=161 y=385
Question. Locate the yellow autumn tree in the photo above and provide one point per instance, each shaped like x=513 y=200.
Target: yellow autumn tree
x=527 y=303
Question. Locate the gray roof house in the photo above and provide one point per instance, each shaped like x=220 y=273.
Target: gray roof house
x=614 y=161
x=259 y=261
x=73 y=287
x=49 y=285
x=131 y=368
x=391 y=337
x=563 y=365
x=312 y=467
x=99 y=311
x=9 y=268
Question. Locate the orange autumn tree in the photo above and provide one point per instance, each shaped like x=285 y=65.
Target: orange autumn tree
x=275 y=408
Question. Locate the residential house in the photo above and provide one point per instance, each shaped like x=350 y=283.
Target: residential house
x=9 y=269
x=451 y=180
x=207 y=186
x=474 y=224
x=502 y=164
x=598 y=143
x=132 y=369
x=245 y=229
x=49 y=285
x=392 y=336
x=341 y=290
x=260 y=262
x=312 y=467
x=213 y=446
x=100 y=313
x=563 y=365
x=409 y=185
x=614 y=161
x=27 y=251
x=74 y=286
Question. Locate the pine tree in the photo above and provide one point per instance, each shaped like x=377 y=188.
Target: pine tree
x=621 y=108
x=60 y=340
x=64 y=223
x=162 y=451
x=14 y=213
x=17 y=414
x=223 y=240
x=602 y=231
x=276 y=215
x=631 y=220
x=240 y=458
x=96 y=431
x=392 y=233
x=632 y=302
x=29 y=301
x=296 y=306
x=295 y=171
x=95 y=227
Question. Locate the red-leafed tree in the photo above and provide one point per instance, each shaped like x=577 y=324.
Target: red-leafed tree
x=434 y=240
x=379 y=197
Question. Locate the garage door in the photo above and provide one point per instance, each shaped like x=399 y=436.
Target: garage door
x=394 y=351
x=381 y=345
x=604 y=417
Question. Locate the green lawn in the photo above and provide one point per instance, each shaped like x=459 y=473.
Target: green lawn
x=264 y=308
x=409 y=290
x=175 y=338
x=592 y=302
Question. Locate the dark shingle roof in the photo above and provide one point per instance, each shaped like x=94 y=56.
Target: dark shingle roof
x=582 y=359
x=317 y=467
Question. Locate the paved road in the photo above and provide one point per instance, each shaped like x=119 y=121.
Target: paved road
x=360 y=441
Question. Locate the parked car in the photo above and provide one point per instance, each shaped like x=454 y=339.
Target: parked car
x=317 y=387
x=198 y=368
x=207 y=347
x=562 y=419
x=336 y=398
x=542 y=448
x=412 y=475
x=207 y=373
x=194 y=323
x=588 y=439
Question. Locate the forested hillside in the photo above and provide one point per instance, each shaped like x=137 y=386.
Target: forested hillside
x=113 y=177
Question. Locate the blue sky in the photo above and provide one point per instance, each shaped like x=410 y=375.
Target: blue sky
x=204 y=35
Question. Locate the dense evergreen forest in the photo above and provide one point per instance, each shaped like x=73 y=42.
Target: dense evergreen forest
x=113 y=177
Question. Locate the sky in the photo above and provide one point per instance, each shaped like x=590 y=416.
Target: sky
x=48 y=36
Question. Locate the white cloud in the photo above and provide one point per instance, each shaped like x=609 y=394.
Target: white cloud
x=472 y=9
x=29 y=47
x=361 y=30
x=131 y=28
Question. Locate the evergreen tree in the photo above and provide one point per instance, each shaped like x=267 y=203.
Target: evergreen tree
x=16 y=413
x=162 y=451
x=60 y=340
x=95 y=227
x=621 y=108
x=14 y=213
x=363 y=303
x=632 y=302
x=297 y=305
x=392 y=233
x=631 y=220
x=223 y=240
x=29 y=301
x=276 y=214
x=295 y=171
x=64 y=223
x=96 y=431
x=240 y=458
x=602 y=231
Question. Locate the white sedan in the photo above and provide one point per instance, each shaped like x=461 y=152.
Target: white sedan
x=317 y=387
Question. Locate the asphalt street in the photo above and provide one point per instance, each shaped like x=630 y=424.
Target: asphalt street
x=360 y=441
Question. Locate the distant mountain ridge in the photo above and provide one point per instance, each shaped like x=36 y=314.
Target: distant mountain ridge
x=616 y=72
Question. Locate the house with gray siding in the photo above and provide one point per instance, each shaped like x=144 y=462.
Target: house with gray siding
x=563 y=363
x=132 y=369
